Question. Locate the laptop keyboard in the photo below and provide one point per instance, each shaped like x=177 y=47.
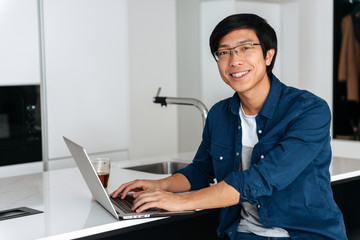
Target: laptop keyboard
x=126 y=204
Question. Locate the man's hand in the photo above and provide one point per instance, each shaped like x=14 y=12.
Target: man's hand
x=135 y=186
x=174 y=183
x=156 y=198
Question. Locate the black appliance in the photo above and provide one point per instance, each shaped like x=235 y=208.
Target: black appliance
x=20 y=124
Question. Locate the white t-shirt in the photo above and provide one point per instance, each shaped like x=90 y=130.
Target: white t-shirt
x=250 y=221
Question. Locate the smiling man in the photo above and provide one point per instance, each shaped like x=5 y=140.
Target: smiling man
x=268 y=146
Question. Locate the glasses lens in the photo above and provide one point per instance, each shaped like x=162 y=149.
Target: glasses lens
x=247 y=46
x=222 y=54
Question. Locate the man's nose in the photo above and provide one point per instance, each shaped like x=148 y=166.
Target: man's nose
x=235 y=58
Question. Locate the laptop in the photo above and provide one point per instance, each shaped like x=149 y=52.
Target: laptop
x=119 y=208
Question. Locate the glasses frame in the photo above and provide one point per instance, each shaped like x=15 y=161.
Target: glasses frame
x=216 y=56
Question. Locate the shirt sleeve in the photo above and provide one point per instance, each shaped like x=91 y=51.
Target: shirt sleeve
x=305 y=137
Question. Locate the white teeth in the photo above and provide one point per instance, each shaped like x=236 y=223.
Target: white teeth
x=239 y=74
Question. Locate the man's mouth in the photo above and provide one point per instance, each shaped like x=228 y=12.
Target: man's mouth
x=239 y=74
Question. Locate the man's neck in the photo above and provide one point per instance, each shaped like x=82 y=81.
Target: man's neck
x=252 y=101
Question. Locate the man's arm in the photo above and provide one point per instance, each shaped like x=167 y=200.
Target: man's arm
x=219 y=195
x=175 y=183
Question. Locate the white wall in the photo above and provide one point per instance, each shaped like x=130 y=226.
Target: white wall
x=19 y=42
x=315 y=45
x=189 y=74
x=290 y=43
x=87 y=75
x=152 y=51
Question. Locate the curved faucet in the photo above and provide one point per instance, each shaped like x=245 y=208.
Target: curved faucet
x=164 y=101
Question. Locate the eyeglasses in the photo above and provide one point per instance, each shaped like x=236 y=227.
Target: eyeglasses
x=242 y=49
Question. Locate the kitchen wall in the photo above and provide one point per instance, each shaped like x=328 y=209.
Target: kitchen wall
x=189 y=72
x=19 y=46
x=86 y=79
x=152 y=64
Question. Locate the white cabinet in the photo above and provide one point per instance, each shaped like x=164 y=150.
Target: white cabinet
x=19 y=42
x=87 y=86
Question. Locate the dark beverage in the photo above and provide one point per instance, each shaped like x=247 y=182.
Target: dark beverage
x=104 y=178
x=102 y=167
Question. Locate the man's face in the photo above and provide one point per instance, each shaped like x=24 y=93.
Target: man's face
x=244 y=71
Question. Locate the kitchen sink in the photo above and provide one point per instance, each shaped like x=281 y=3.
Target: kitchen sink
x=159 y=168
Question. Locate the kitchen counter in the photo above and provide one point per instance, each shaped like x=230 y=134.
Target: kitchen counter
x=69 y=211
x=344 y=169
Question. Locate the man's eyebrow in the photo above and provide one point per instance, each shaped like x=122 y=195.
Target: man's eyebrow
x=238 y=43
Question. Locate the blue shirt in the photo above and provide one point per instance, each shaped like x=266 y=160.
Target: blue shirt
x=289 y=178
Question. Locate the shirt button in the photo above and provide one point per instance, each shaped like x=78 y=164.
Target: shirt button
x=239 y=127
x=258 y=205
x=221 y=158
x=237 y=154
x=262 y=156
x=260 y=131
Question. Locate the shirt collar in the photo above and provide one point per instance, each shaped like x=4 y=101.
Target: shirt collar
x=270 y=104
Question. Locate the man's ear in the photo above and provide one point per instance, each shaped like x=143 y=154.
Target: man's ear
x=269 y=56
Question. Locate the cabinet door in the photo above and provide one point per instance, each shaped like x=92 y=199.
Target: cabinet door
x=19 y=42
x=87 y=84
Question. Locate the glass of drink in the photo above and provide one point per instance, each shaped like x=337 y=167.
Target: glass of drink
x=102 y=168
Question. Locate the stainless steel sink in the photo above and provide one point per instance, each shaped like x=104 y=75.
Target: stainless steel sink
x=159 y=168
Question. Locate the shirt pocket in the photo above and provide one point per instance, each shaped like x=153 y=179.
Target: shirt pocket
x=222 y=161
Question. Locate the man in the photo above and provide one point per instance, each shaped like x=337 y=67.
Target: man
x=268 y=147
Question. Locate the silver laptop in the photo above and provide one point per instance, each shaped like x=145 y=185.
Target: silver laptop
x=119 y=208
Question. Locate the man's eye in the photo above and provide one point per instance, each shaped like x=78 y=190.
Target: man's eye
x=223 y=52
x=247 y=47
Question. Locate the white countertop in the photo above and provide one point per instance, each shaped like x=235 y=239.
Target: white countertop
x=344 y=169
x=70 y=211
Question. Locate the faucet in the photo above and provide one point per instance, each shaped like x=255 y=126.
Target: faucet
x=164 y=101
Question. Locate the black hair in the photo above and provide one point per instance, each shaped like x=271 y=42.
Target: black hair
x=265 y=33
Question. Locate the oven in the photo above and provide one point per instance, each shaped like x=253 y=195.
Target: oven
x=20 y=124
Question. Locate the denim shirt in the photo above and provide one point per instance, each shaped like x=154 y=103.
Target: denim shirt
x=289 y=178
